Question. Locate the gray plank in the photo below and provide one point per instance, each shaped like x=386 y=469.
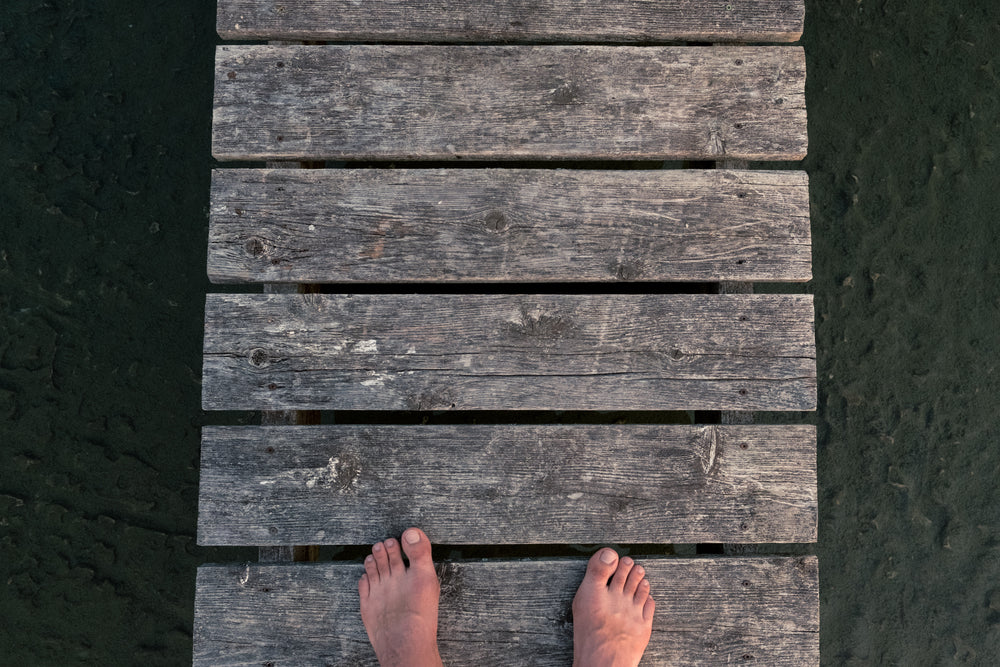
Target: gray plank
x=509 y=21
x=708 y=612
x=527 y=102
x=509 y=352
x=477 y=484
x=501 y=225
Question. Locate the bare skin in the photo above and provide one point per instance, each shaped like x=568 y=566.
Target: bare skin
x=399 y=604
x=612 y=613
x=612 y=610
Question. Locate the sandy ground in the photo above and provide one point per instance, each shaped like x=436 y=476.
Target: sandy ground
x=104 y=112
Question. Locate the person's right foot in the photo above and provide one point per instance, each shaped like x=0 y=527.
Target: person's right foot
x=399 y=603
x=612 y=620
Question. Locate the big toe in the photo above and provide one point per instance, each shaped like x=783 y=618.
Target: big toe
x=417 y=547
x=601 y=566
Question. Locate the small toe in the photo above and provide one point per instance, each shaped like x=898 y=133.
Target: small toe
x=641 y=593
x=371 y=569
x=621 y=574
x=601 y=567
x=634 y=577
x=648 y=609
x=395 y=556
x=381 y=559
x=417 y=547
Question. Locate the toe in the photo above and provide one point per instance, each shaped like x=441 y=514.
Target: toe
x=601 y=567
x=395 y=556
x=641 y=593
x=417 y=547
x=371 y=569
x=621 y=574
x=363 y=586
x=648 y=609
x=381 y=559
x=634 y=577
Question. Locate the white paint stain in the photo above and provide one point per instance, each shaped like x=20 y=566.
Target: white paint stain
x=575 y=496
x=245 y=577
x=412 y=350
x=369 y=346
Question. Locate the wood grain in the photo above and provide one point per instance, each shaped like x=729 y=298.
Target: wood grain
x=508 y=21
x=508 y=484
x=508 y=225
x=509 y=103
x=509 y=352
x=708 y=612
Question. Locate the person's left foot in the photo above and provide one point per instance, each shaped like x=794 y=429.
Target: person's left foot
x=399 y=604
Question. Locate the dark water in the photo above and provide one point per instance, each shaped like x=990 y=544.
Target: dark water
x=104 y=113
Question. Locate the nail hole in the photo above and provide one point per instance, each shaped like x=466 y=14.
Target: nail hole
x=743 y=526
x=739 y=61
x=741 y=261
x=738 y=126
x=269 y=450
x=743 y=318
x=280 y=64
x=746 y=583
x=744 y=445
x=743 y=392
x=281 y=137
x=231 y=75
x=741 y=195
x=273 y=530
x=272 y=386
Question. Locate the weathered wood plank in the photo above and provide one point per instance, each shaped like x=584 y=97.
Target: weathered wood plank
x=491 y=103
x=578 y=484
x=708 y=612
x=493 y=225
x=509 y=21
x=509 y=352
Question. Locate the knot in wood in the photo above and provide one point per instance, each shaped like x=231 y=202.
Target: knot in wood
x=496 y=222
x=259 y=357
x=255 y=247
x=629 y=270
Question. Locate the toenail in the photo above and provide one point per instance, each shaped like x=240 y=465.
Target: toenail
x=411 y=536
x=377 y=547
x=608 y=556
x=369 y=558
x=390 y=543
x=626 y=561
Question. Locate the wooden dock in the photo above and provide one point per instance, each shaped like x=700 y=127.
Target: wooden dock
x=512 y=207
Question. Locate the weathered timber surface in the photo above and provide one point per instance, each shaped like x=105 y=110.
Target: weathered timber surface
x=514 y=102
x=708 y=612
x=509 y=352
x=508 y=21
x=500 y=225
x=508 y=484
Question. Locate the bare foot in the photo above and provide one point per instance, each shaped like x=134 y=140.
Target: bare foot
x=399 y=604
x=612 y=620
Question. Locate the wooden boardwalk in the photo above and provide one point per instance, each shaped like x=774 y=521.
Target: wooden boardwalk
x=552 y=265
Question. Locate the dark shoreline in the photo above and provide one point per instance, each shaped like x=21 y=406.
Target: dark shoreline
x=105 y=109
